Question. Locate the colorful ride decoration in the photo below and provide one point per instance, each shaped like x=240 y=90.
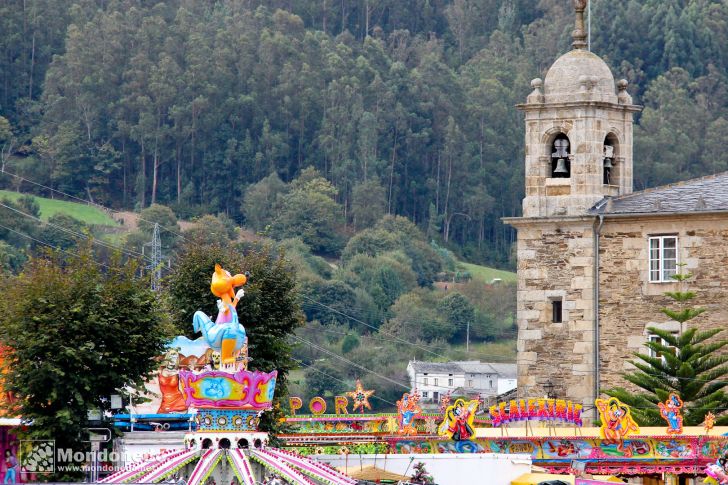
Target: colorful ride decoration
x=717 y=471
x=709 y=422
x=553 y=410
x=219 y=389
x=407 y=408
x=333 y=426
x=616 y=418
x=210 y=375
x=317 y=405
x=671 y=411
x=458 y=422
x=360 y=397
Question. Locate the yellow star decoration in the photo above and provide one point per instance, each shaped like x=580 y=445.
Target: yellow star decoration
x=360 y=397
x=709 y=421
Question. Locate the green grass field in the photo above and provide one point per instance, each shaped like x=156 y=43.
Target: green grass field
x=486 y=274
x=82 y=212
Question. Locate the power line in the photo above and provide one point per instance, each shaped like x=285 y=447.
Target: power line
x=128 y=252
x=340 y=380
x=57 y=248
x=426 y=349
x=354 y=364
x=95 y=204
x=365 y=369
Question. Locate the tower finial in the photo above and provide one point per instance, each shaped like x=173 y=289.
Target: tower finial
x=579 y=34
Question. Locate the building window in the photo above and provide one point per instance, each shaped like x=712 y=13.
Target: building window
x=557 y=311
x=435 y=396
x=436 y=381
x=470 y=383
x=490 y=383
x=663 y=258
x=425 y=381
x=659 y=340
x=425 y=394
x=449 y=382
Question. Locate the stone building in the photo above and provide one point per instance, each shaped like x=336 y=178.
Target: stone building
x=582 y=223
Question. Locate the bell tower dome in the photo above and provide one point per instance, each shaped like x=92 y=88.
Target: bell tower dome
x=578 y=133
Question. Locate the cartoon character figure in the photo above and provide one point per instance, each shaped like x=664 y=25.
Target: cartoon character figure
x=617 y=422
x=671 y=412
x=565 y=448
x=225 y=334
x=11 y=468
x=173 y=400
x=408 y=407
x=458 y=422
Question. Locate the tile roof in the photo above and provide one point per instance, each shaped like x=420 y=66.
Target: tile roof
x=465 y=367
x=705 y=194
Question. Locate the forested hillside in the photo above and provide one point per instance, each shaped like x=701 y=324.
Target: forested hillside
x=407 y=103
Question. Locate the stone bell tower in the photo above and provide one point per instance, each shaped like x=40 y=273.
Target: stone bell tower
x=578 y=151
x=578 y=133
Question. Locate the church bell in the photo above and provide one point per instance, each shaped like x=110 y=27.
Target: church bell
x=608 y=163
x=561 y=167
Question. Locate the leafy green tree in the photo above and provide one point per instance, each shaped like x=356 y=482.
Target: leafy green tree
x=689 y=364
x=12 y=259
x=210 y=229
x=415 y=317
x=310 y=212
x=305 y=262
x=270 y=310
x=53 y=234
x=350 y=342
x=169 y=228
x=458 y=312
x=368 y=201
x=384 y=277
x=77 y=332
x=261 y=201
x=371 y=242
x=335 y=295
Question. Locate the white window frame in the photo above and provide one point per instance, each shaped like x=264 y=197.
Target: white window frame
x=425 y=381
x=656 y=257
x=425 y=394
x=450 y=382
x=470 y=383
x=436 y=382
x=656 y=338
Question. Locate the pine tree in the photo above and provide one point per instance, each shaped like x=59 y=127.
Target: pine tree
x=689 y=364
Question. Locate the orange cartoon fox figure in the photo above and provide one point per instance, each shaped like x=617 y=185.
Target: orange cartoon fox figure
x=223 y=286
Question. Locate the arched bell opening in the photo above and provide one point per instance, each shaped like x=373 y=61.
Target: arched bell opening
x=206 y=444
x=243 y=444
x=609 y=166
x=224 y=444
x=257 y=443
x=560 y=163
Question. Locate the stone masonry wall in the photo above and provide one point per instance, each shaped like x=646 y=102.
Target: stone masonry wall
x=555 y=261
x=628 y=303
